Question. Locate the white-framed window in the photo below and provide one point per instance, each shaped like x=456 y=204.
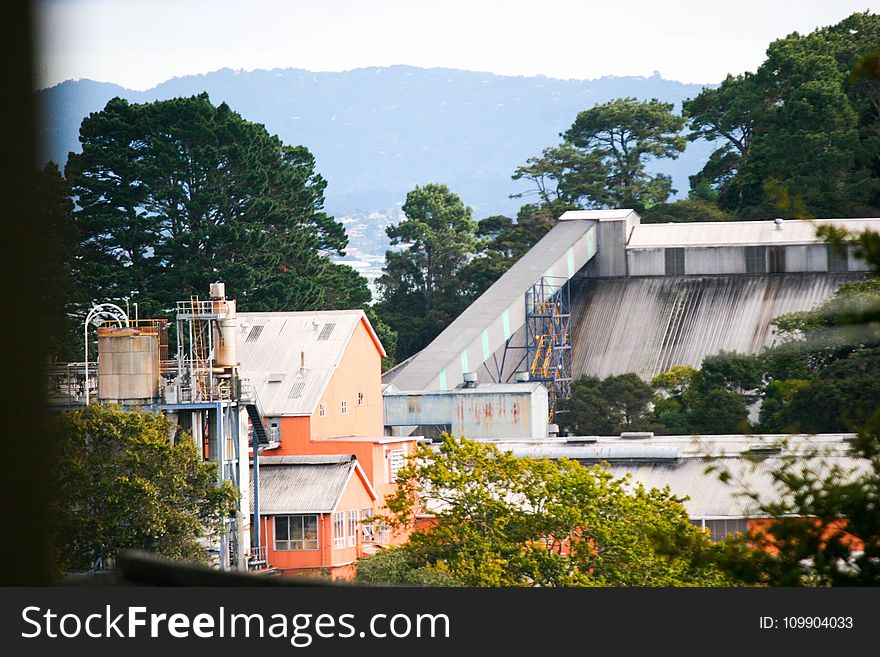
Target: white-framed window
x=396 y=460
x=298 y=532
x=345 y=408
x=339 y=529
x=368 y=529
x=353 y=527
x=361 y=399
x=322 y=409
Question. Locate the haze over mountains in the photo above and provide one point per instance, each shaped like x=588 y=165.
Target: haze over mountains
x=378 y=132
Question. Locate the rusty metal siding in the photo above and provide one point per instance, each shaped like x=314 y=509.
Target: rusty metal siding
x=487 y=411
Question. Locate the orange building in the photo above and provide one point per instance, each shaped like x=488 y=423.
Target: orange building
x=318 y=378
x=311 y=509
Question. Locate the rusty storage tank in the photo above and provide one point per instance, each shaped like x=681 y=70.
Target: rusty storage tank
x=225 y=351
x=128 y=365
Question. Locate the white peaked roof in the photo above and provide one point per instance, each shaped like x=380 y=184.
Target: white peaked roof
x=739 y=233
x=290 y=357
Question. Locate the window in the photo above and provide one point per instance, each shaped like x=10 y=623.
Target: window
x=352 y=527
x=322 y=410
x=254 y=335
x=396 y=460
x=368 y=530
x=296 y=532
x=345 y=408
x=339 y=529
x=361 y=399
x=674 y=261
x=724 y=527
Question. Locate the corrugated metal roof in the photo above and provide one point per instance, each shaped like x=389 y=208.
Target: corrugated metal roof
x=725 y=233
x=648 y=325
x=271 y=361
x=681 y=463
x=303 y=484
x=505 y=292
x=596 y=215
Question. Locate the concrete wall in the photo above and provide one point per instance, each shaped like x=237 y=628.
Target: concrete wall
x=715 y=260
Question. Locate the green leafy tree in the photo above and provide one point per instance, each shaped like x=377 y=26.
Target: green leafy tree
x=606 y=407
x=627 y=133
x=121 y=483
x=175 y=194
x=60 y=248
x=800 y=136
x=419 y=284
x=684 y=211
x=400 y=566
x=602 y=161
x=506 y=521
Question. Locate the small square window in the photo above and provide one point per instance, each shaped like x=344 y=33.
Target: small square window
x=345 y=408
x=361 y=399
x=322 y=410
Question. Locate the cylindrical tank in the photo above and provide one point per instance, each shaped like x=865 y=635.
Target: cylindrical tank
x=225 y=352
x=128 y=365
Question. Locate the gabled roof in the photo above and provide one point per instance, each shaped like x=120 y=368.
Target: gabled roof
x=273 y=347
x=306 y=484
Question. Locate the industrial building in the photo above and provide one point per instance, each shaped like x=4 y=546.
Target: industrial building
x=603 y=294
x=303 y=388
x=683 y=462
x=318 y=376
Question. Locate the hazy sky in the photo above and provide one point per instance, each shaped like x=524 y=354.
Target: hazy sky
x=139 y=43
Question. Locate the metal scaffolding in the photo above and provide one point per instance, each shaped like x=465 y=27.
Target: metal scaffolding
x=548 y=332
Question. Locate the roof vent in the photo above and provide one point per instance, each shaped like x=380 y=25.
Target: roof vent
x=778 y=222
x=762 y=449
x=470 y=379
x=636 y=435
x=581 y=440
x=521 y=377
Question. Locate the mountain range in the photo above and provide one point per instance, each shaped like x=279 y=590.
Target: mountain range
x=377 y=132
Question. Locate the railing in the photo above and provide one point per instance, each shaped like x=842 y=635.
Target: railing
x=257 y=557
x=202 y=309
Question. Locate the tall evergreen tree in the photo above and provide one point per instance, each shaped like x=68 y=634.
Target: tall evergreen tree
x=175 y=194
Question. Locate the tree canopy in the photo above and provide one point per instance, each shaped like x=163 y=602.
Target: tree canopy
x=121 y=483
x=602 y=161
x=419 y=284
x=173 y=195
x=506 y=521
x=801 y=135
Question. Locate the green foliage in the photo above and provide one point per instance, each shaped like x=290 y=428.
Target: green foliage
x=60 y=250
x=173 y=195
x=387 y=336
x=505 y=521
x=619 y=403
x=602 y=162
x=120 y=483
x=685 y=211
x=627 y=133
x=420 y=283
x=825 y=529
x=400 y=566
x=799 y=137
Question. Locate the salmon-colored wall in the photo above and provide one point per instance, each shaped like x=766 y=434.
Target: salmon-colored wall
x=760 y=525
x=360 y=370
x=355 y=498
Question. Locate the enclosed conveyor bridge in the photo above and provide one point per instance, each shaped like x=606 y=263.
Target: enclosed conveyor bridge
x=491 y=321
